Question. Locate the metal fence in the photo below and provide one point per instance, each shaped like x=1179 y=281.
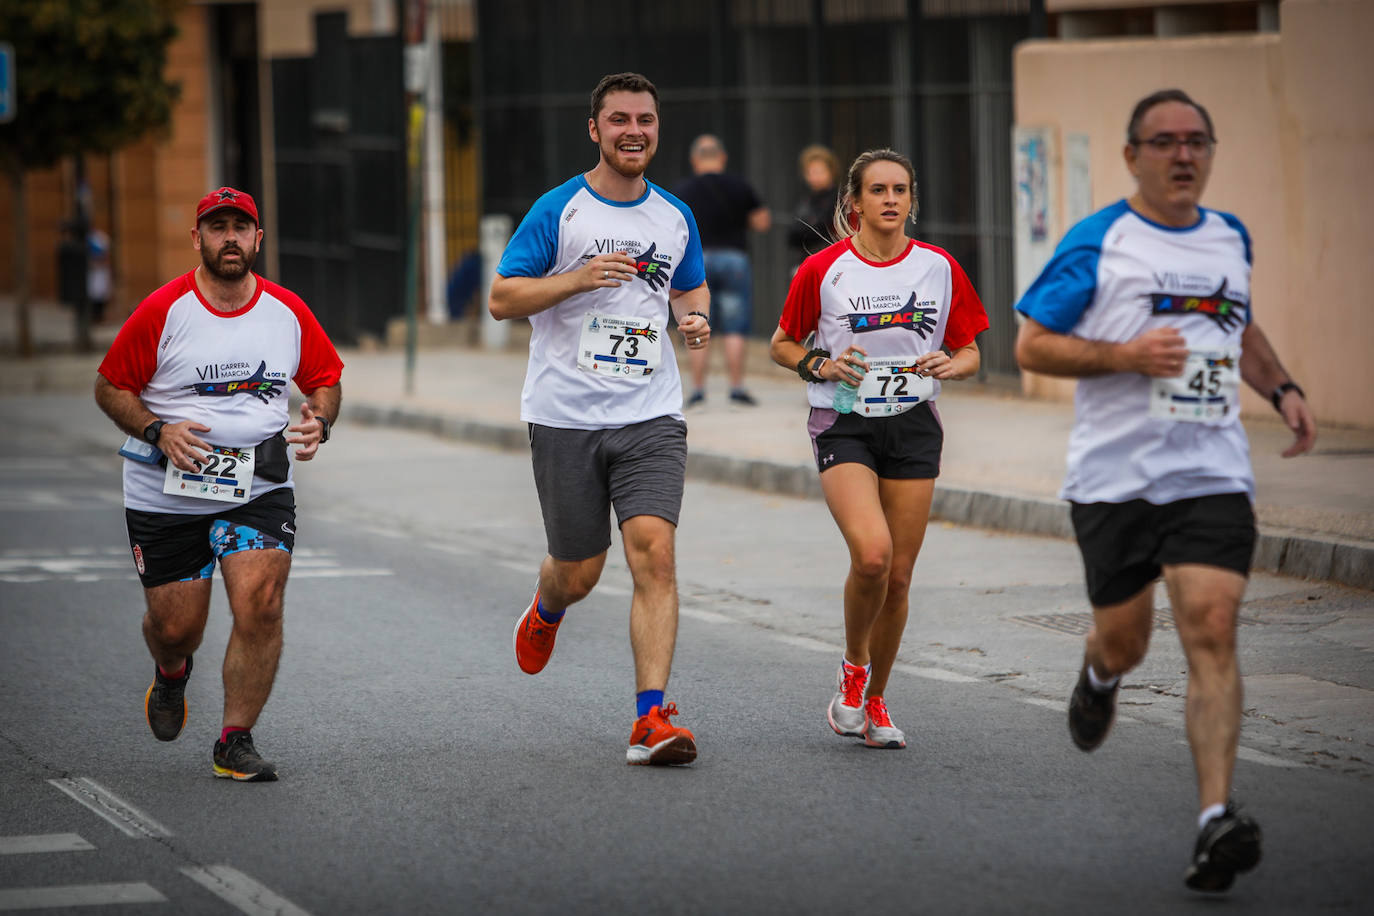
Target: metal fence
x=771 y=77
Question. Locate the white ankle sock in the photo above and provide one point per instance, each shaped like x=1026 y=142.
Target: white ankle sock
x=1099 y=684
x=1208 y=813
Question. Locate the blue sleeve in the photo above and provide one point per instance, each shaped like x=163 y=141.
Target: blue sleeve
x=691 y=273
x=1066 y=287
x=532 y=250
x=1237 y=225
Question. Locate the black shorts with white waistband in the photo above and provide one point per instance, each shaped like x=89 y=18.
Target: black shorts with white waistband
x=904 y=447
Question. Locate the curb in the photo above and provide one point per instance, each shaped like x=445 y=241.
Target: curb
x=1289 y=553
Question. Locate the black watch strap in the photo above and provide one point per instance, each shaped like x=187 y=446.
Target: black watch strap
x=153 y=431
x=1277 y=396
x=324 y=429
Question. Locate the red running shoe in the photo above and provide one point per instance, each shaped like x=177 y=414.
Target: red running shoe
x=534 y=638
x=657 y=742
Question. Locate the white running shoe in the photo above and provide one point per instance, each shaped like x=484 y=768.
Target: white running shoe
x=846 y=712
x=880 y=731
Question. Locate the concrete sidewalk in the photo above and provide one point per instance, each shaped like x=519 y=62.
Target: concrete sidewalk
x=1003 y=458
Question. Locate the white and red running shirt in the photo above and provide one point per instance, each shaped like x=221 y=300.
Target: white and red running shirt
x=228 y=370
x=909 y=306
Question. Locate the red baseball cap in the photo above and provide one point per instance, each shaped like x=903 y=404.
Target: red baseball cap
x=226 y=197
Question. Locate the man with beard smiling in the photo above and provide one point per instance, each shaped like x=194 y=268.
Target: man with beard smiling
x=198 y=378
x=596 y=266
x=1148 y=303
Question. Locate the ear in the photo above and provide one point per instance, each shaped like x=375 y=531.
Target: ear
x=592 y=131
x=1131 y=155
x=195 y=237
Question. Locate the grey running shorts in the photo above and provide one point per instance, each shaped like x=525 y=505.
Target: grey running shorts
x=581 y=473
x=169 y=547
x=904 y=447
x=1126 y=545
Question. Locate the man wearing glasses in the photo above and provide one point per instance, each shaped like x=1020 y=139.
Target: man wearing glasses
x=1148 y=303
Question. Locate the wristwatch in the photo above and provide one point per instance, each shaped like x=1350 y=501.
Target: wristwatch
x=1277 y=396
x=324 y=429
x=153 y=431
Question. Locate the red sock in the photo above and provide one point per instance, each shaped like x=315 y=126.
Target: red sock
x=229 y=730
x=181 y=672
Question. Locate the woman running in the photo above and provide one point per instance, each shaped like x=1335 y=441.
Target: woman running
x=893 y=317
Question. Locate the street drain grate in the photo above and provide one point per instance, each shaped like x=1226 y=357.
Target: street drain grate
x=1078 y=624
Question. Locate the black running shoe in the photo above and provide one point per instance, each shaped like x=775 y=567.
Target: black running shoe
x=1091 y=712
x=1227 y=845
x=238 y=759
x=164 y=704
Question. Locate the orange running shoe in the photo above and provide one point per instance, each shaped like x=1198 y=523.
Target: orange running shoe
x=534 y=638
x=657 y=742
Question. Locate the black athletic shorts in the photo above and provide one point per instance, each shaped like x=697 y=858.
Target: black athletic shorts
x=1125 y=545
x=170 y=547
x=904 y=447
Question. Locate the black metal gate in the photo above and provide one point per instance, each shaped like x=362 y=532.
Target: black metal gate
x=339 y=131
x=925 y=78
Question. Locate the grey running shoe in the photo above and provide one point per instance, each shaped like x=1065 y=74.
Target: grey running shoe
x=846 y=712
x=740 y=396
x=1091 y=712
x=164 y=704
x=880 y=731
x=696 y=400
x=238 y=759
x=1226 y=845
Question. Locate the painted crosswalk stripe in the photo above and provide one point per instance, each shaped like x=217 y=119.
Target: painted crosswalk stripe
x=241 y=891
x=42 y=842
x=43 y=898
x=124 y=816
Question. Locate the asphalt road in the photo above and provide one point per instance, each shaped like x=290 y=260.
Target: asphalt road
x=423 y=773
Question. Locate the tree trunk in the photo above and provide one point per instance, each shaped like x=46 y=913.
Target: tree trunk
x=23 y=332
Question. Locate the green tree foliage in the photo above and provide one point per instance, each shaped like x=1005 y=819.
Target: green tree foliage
x=87 y=79
x=88 y=75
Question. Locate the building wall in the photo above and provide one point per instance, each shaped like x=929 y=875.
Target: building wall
x=1295 y=124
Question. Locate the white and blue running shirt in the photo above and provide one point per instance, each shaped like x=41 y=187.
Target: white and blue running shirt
x=1114 y=276
x=564 y=229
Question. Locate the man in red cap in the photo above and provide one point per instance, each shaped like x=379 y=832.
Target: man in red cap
x=198 y=378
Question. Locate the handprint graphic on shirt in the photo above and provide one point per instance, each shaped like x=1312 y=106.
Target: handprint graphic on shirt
x=653 y=271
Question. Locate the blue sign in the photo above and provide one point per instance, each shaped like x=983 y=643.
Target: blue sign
x=8 y=100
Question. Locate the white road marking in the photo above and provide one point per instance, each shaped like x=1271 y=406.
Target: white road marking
x=697 y=613
x=241 y=891
x=114 y=564
x=124 y=816
x=936 y=674
x=42 y=898
x=1250 y=755
x=42 y=842
x=805 y=642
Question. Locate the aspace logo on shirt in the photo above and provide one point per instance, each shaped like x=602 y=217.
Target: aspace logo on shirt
x=259 y=385
x=917 y=317
x=651 y=266
x=1225 y=311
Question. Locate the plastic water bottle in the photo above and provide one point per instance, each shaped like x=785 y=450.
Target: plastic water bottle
x=845 y=394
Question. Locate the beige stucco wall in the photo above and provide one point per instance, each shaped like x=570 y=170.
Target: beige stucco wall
x=286 y=28
x=1294 y=116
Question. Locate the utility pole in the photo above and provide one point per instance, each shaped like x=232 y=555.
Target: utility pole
x=416 y=76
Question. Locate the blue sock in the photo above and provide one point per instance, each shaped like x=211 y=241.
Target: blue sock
x=646 y=700
x=549 y=616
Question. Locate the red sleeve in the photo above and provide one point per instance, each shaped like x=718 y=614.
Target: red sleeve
x=967 y=317
x=320 y=365
x=132 y=358
x=801 y=313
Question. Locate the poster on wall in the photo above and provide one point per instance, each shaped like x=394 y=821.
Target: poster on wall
x=1035 y=161
x=1078 y=179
